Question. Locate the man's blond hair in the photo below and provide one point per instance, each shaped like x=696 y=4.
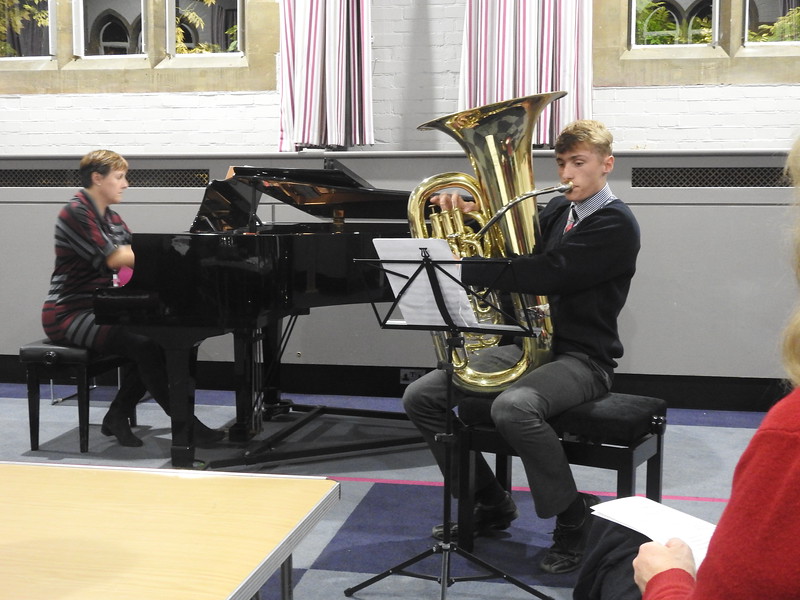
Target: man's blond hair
x=587 y=131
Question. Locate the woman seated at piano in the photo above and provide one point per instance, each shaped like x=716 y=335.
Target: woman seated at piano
x=92 y=246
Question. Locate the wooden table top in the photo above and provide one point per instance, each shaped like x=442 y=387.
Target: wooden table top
x=90 y=533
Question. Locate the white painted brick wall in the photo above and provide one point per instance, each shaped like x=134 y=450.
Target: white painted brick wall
x=701 y=117
x=180 y=124
x=416 y=57
x=416 y=61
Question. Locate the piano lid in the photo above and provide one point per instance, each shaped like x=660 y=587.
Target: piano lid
x=334 y=192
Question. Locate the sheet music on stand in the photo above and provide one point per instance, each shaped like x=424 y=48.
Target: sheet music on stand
x=402 y=261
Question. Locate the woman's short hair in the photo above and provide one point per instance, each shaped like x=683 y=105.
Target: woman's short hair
x=100 y=161
x=586 y=131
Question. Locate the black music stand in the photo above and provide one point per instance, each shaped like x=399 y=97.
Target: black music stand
x=432 y=269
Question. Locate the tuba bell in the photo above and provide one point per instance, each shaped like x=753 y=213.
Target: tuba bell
x=497 y=139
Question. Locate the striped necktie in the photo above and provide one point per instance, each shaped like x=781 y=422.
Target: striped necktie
x=572 y=219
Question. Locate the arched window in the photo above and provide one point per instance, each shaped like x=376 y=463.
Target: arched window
x=700 y=24
x=114 y=37
x=658 y=23
x=777 y=21
x=137 y=46
x=67 y=47
x=773 y=46
x=186 y=37
x=679 y=22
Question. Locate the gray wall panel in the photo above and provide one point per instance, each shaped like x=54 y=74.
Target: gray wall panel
x=713 y=289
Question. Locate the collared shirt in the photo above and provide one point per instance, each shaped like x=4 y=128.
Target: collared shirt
x=593 y=203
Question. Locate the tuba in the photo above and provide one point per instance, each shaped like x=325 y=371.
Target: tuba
x=498 y=141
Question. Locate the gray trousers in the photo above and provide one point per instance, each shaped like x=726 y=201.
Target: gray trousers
x=520 y=414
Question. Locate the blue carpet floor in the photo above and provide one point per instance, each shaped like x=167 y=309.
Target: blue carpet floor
x=392 y=498
x=393 y=523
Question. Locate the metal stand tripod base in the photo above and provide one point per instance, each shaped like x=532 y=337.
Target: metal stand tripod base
x=446 y=549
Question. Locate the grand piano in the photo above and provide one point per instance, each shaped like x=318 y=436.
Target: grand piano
x=231 y=273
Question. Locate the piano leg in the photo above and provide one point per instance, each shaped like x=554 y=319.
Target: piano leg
x=248 y=385
x=256 y=361
x=271 y=340
x=271 y=352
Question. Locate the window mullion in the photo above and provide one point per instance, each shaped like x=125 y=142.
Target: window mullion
x=171 y=8
x=78 y=41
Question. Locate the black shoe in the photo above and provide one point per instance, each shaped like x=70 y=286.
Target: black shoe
x=121 y=429
x=485 y=518
x=569 y=542
x=204 y=436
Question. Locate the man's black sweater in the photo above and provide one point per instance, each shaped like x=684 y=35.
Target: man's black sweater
x=586 y=274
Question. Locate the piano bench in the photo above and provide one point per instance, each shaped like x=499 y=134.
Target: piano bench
x=617 y=432
x=44 y=359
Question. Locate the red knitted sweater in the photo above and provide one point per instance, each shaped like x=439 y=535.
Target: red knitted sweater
x=754 y=550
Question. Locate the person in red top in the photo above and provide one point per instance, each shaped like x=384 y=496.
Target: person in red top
x=92 y=247
x=753 y=551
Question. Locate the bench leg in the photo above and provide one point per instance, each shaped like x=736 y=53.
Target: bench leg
x=502 y=471
x=466 y=489
x=32 y=378
x=655 y=472
x=83 y=408
x=626 y=481
x=466 y=492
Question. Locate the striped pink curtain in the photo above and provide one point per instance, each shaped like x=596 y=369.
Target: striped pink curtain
x=326 y=79
x=516 y=48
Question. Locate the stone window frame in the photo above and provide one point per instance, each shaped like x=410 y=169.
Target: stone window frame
x=730 y=62
x=156 y=71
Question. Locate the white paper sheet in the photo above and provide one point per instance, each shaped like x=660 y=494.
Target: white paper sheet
x=417 y=303
x=658 y=522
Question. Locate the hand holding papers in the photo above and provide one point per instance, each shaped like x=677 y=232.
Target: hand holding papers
x=658 y=522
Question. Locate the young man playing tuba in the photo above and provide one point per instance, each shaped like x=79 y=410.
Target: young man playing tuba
x=583 y=262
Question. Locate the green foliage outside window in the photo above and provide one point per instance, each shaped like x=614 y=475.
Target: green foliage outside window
x=15 y=15
x=189 y=16
x=656 y=26
x=232 y=33
x=652 y=17
x=785 y=29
